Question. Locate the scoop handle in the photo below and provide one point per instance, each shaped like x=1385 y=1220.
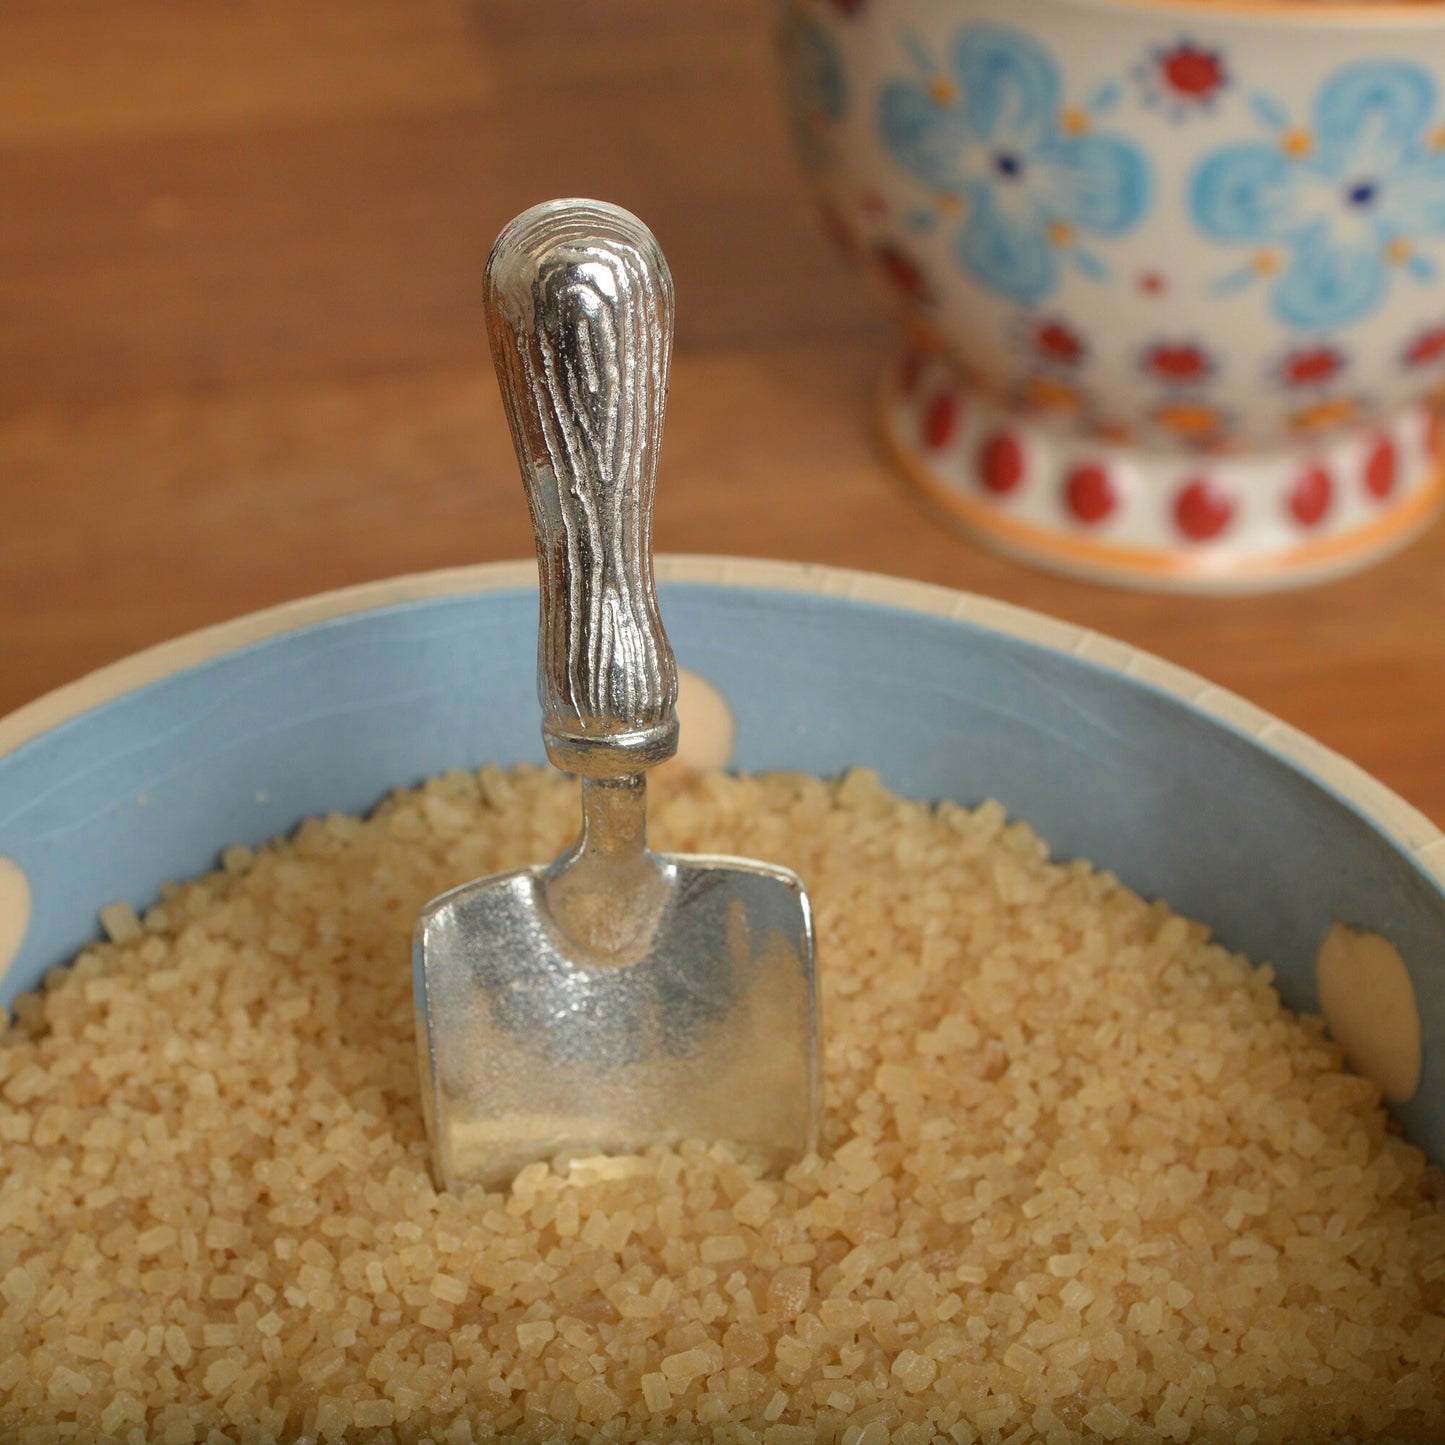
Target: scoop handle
x=579 y=313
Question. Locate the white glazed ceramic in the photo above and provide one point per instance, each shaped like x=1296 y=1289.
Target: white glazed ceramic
x=1172 y=274
x=148 y=769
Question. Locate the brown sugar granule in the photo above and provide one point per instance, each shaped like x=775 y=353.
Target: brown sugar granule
x=1084 y=1177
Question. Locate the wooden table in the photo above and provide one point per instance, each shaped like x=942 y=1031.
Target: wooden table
x=242 y=358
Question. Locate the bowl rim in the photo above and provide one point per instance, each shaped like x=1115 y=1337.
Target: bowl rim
x=1409 y=828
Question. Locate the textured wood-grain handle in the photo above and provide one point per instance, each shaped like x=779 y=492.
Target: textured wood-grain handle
x=579 y=314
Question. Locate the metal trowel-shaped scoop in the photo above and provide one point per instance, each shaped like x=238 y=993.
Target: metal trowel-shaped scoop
x=615 y=998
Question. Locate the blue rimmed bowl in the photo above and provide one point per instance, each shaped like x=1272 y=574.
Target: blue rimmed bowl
x=147 y=769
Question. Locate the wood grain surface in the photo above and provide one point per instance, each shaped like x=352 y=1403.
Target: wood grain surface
x=242 y=354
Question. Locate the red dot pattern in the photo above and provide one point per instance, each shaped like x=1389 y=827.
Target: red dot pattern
x=1090 y=494
x=940 y=421
x=1202 y=505
x=1203 y=509
x=1000 y=463
x=1381 y=469
x=1311 y=497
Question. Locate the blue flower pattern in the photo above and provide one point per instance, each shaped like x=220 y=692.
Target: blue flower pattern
x=1346 y=203
x=992 y=139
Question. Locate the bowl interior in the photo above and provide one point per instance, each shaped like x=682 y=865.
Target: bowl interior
x=1108 y=754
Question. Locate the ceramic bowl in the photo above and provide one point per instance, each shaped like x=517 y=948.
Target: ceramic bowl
x=1172 y=275
x=147 y=770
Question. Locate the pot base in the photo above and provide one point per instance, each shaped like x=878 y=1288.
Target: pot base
x=1111 y=512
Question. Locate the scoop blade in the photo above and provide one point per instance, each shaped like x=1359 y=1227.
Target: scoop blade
x=531 y=1050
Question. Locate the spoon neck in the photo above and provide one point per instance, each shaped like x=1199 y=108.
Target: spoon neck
x=607 y=890
x=614 y=819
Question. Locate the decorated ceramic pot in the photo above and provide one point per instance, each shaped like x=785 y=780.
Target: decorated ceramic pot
x=1172 y=275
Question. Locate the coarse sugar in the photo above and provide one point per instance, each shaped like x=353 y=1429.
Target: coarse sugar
x=1083 y=1176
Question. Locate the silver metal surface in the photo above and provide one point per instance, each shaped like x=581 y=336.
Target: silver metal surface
x=615 y=998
